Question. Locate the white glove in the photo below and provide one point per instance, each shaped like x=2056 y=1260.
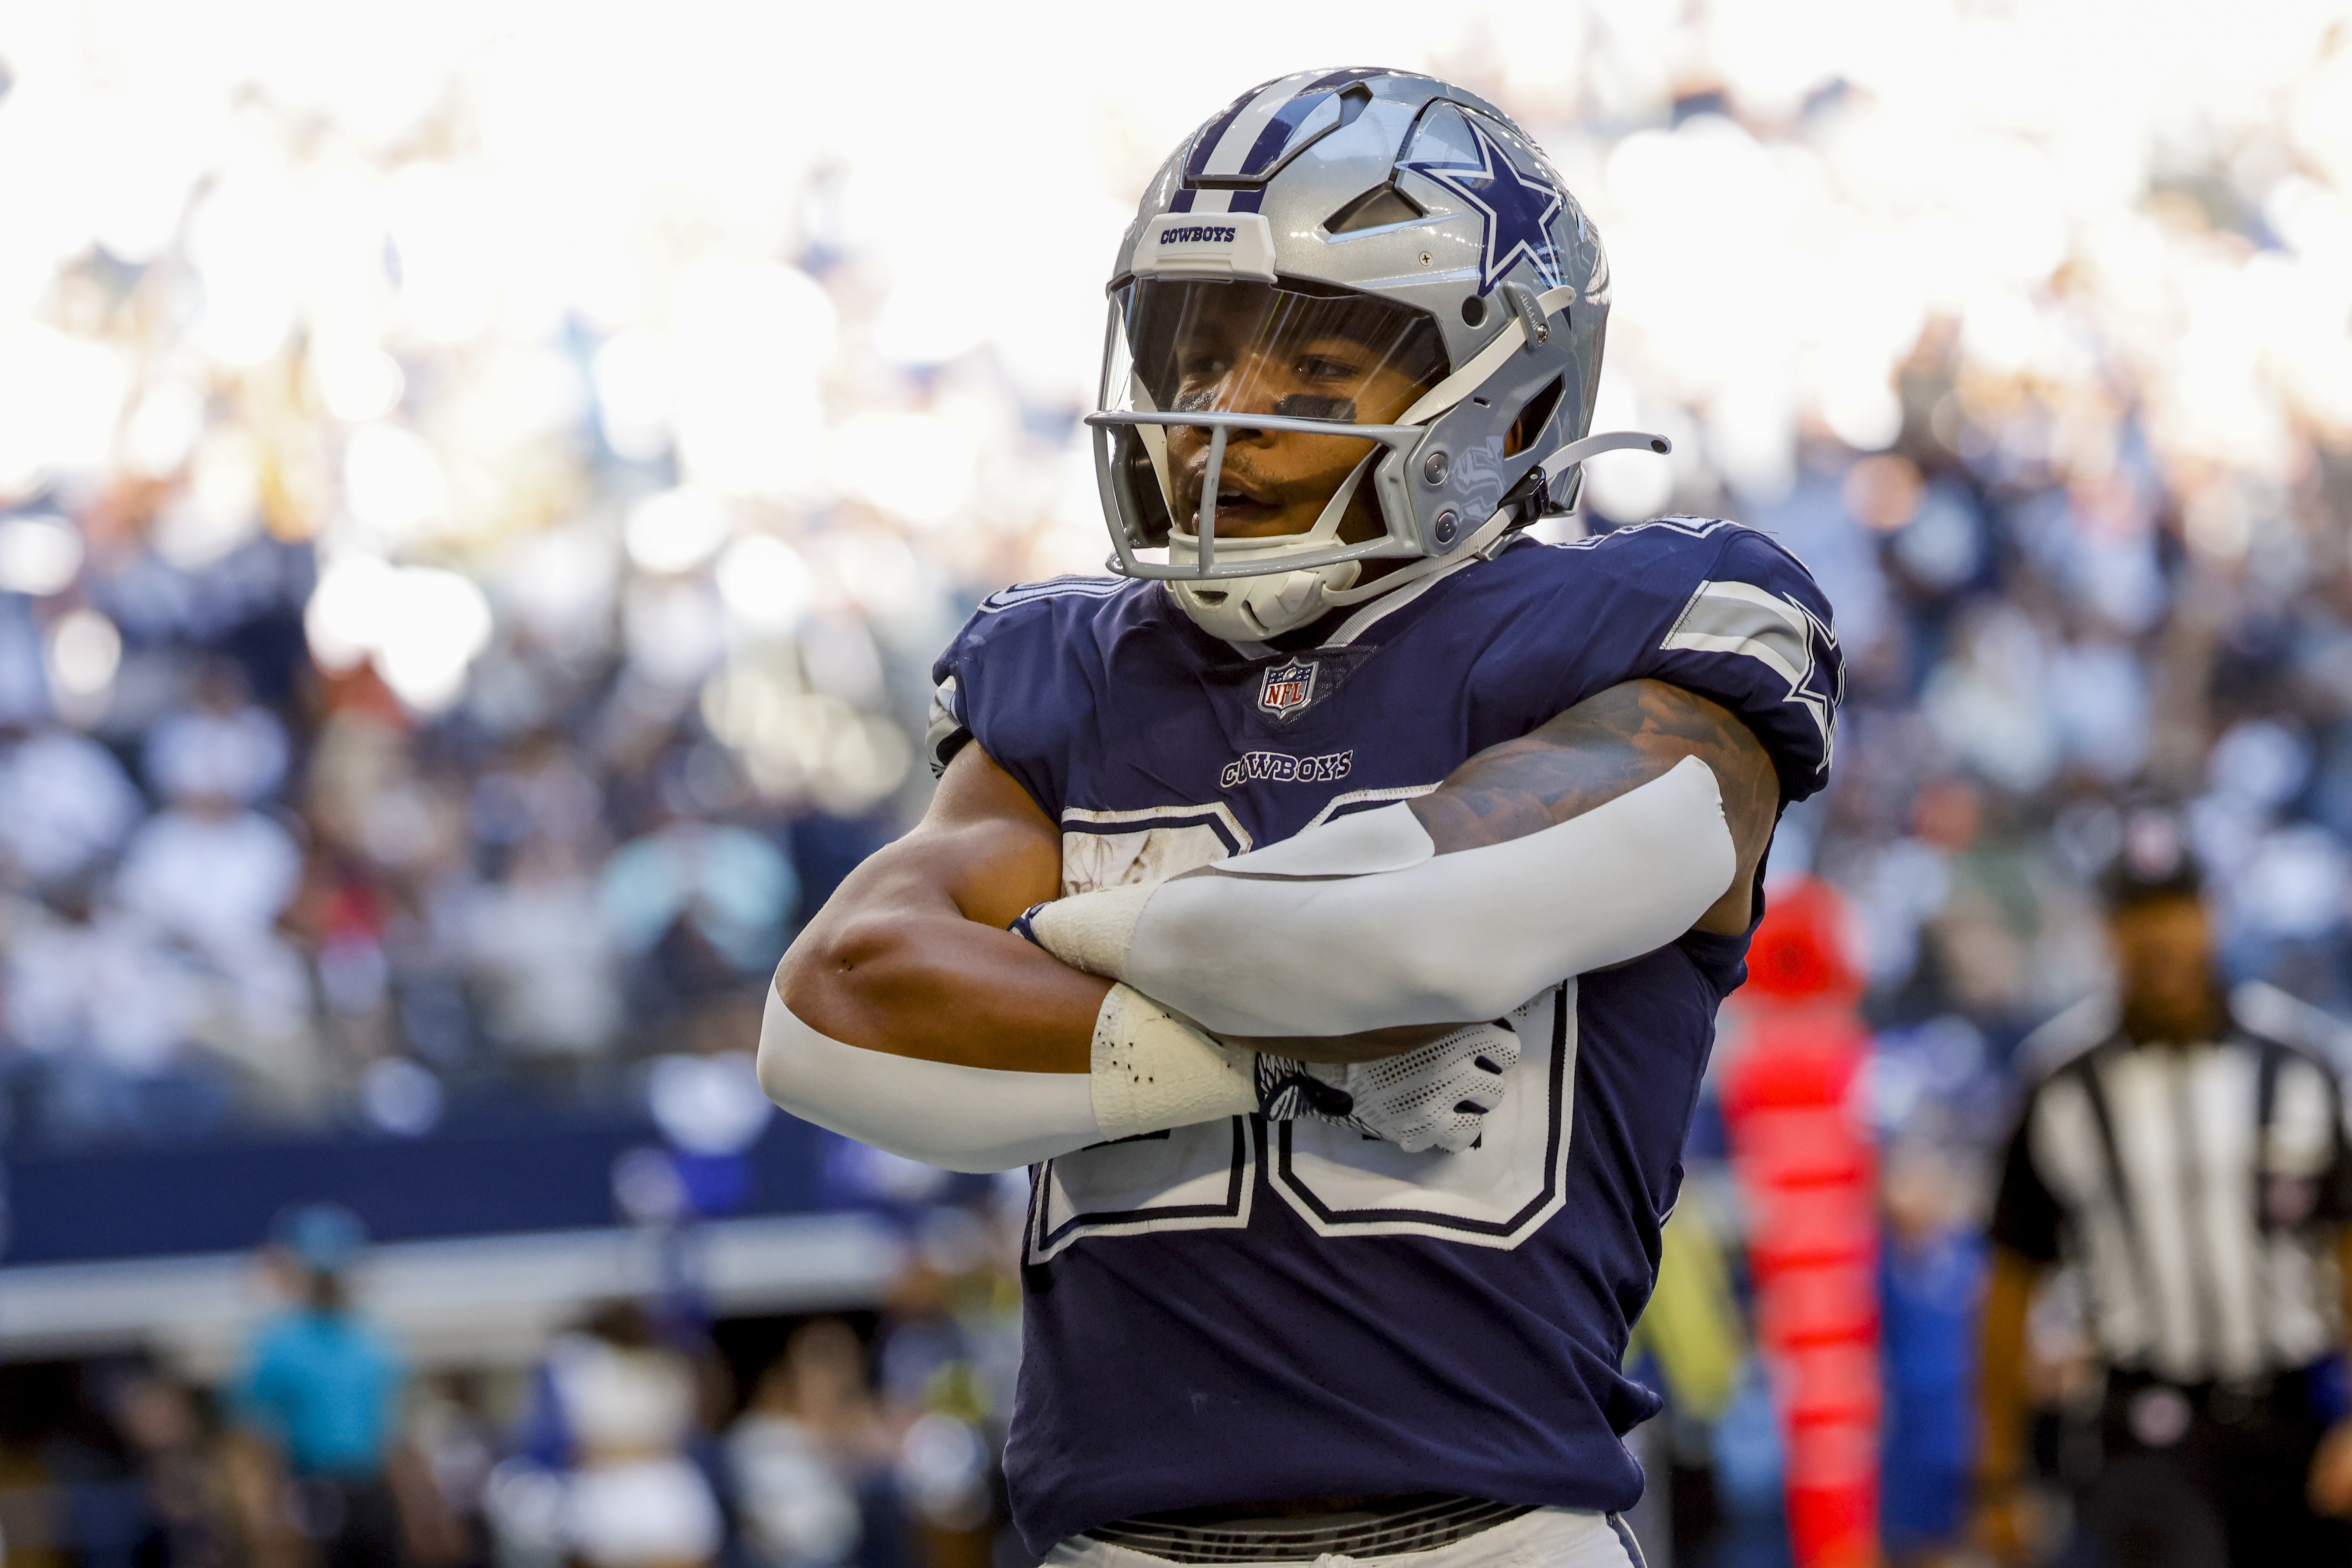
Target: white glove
x=1436 y=1097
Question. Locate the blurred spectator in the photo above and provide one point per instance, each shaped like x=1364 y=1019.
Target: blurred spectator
x=104 y=1012
x=211 y=875
x=214 y=875
x=1930 y=1276
x=459 y=1444
x=64 y=801
x=107 y=1465
x=2184 y=1149
x=542 y=949
x=617 y=1411
x=946 y=1357
x=220 y=747
x=700 y=907
x=1689 y=1340
x=320 y=1466
x=823 y=1386
x=796 y=1451
x=179 y=1466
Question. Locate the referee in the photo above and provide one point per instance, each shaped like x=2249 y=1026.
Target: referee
x=2183 y=1149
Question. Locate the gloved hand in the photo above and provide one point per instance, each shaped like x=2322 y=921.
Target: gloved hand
x=1435 y=1097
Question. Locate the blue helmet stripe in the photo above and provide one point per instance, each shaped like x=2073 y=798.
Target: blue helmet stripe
x=1204 y=145
x=1285 y=117
x=1221 y=149
x=1277 y=133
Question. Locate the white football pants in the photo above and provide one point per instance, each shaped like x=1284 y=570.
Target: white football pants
x=1547 y=1538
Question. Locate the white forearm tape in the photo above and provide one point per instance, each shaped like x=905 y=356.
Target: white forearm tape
x=1360 y=924
x=1150 y=1071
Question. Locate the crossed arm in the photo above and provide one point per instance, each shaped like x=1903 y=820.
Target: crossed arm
x=911 y=956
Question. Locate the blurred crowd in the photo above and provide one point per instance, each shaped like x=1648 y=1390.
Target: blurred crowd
x=453 y=622
x=646 y=1436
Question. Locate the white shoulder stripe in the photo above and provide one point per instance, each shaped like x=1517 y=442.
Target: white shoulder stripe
x=1756 y=648
x=1051 y=588
x=1738 y=593
x=1749 y=621
x=1696 y=527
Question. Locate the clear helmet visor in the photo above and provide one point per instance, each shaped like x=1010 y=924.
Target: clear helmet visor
x=1239 y=412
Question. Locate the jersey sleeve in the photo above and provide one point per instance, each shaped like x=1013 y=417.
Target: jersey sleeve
x=1755 y=634
x=1014 y=679
x=2025 y=1213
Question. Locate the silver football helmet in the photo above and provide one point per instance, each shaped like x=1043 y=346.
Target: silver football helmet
x=1385 y=269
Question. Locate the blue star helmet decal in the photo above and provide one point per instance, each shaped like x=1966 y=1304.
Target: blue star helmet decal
x=1517 y=212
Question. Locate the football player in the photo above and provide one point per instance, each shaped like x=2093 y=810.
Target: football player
x=1333 y=907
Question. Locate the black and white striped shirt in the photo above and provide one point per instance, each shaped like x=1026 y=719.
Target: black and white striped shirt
x=2197 y=1188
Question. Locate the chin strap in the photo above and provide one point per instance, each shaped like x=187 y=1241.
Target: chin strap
x=1481 y=539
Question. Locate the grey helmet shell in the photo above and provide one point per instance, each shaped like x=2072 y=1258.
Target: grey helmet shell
x=1428 y=197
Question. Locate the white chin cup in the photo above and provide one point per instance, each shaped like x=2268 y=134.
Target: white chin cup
x=1251 y=609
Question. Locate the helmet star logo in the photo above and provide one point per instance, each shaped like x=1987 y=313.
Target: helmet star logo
x=1516 y=211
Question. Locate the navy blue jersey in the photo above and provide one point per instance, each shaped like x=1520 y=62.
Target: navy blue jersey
x=1239 y=1310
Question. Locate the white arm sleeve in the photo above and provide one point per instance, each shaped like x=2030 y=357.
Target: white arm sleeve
x=1149 y=1071
x=1360 y=924
x=964 y=1118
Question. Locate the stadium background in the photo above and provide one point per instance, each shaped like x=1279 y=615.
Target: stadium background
x=481 y=487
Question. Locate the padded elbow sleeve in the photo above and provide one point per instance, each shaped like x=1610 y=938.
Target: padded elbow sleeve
x=1362 y=925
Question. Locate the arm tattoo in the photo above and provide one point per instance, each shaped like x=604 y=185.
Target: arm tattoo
x=1604 y=746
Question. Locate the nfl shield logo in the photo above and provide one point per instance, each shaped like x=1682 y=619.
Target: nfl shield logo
x=1288 y=687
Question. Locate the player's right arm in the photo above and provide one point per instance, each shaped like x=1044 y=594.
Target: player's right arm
x=907 y=1016
x=911 y=956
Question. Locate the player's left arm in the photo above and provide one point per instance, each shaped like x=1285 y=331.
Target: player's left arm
x=1605 y=747
x=1631 y=819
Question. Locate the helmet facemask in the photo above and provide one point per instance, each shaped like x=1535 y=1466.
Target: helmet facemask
x=1241 y=421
